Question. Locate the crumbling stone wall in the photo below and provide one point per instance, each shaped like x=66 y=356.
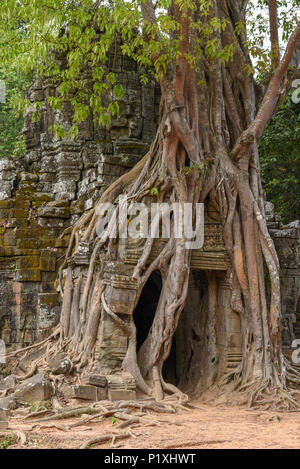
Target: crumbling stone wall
x=49 y=188
x=287 y=242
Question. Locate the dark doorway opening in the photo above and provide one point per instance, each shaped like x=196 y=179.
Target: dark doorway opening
x=145 y=309
x=143 y=317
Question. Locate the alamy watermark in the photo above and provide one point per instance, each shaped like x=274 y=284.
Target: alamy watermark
x=2 y=352
x=296 y=353
x=161 y=220
x=296 y=92
x=2 y=92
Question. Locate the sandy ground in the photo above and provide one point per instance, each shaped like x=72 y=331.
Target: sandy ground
x=202 y=427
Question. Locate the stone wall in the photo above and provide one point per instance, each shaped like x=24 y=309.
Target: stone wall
x=287 y=242
x=49 y=188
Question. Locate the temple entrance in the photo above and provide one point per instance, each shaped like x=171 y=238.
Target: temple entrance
x=143 y=317
x=183 y=366
x=207 y=339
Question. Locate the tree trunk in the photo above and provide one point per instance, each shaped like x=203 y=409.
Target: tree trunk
x=208 y=125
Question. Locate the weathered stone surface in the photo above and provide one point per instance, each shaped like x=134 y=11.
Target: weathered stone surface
x=4 y=414
x=89 y=393
x=7 y=403
x=95 y=380
x=51 y=186
x=121 y=395
x=60 y=364
x=66 y=390
x=3 y=425
x=37 y=388
x=8 y=383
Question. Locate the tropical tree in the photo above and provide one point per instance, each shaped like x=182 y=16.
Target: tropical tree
x=280 y=162
x=15 y=85
x=205 y=148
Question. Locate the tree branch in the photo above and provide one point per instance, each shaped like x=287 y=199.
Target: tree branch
x=148 y=11
x=270 y=100
x=273 y=18
x=149 y=17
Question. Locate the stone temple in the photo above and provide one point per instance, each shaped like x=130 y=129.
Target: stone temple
x=55 y=182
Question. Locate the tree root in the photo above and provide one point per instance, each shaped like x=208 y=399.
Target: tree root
x=103 y=439
x=31 y=372
x=30 y=347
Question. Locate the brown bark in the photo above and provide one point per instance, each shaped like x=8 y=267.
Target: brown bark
x=213 y=126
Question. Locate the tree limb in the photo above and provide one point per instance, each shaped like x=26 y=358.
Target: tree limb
x=273 y=18
x=270 y=100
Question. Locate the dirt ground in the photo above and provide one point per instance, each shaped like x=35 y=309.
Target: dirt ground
x=204 y=427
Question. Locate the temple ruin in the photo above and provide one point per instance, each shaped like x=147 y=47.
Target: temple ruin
x=54 y=183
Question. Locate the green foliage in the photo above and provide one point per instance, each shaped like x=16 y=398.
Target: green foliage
x=13 y=268
x=258 y=32
x=279 y=150
x=154 y=191
x=62 y=38
x=6 y=442
x=188 y=169
x=16 y=83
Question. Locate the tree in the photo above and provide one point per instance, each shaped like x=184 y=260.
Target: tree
x=11 y=141
x=205 y=148
x=280 y=163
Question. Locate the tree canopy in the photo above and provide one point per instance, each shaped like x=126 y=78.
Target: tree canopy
x=37 y=34
x=280 y=160
x=11 y=139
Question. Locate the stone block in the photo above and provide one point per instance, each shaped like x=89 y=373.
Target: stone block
x=53 y=212
x=29 y=177
x=7 y=403
x=89 y=393
x=22 y=204
x=51 y=223
x=9 y=238
x=35 y=389
x=42 y=197
x=19 y=213
x=121 y=395
x=4 y=414
x=6 y=204
x=7 y=384
x=28 y=262
x=6 y=164
x=3 y=425
x=48 y=263
x=48 y=299
x=29 y=243
x=48 y=317
x=4 y=213
x=47 y=242
x=6 y=175
x=6 y=186
x=95 y=379
x=60 y=364
x=49 y=277
x=66 y=390
x=61 y=243
x=28 y=275
x=5 y=194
